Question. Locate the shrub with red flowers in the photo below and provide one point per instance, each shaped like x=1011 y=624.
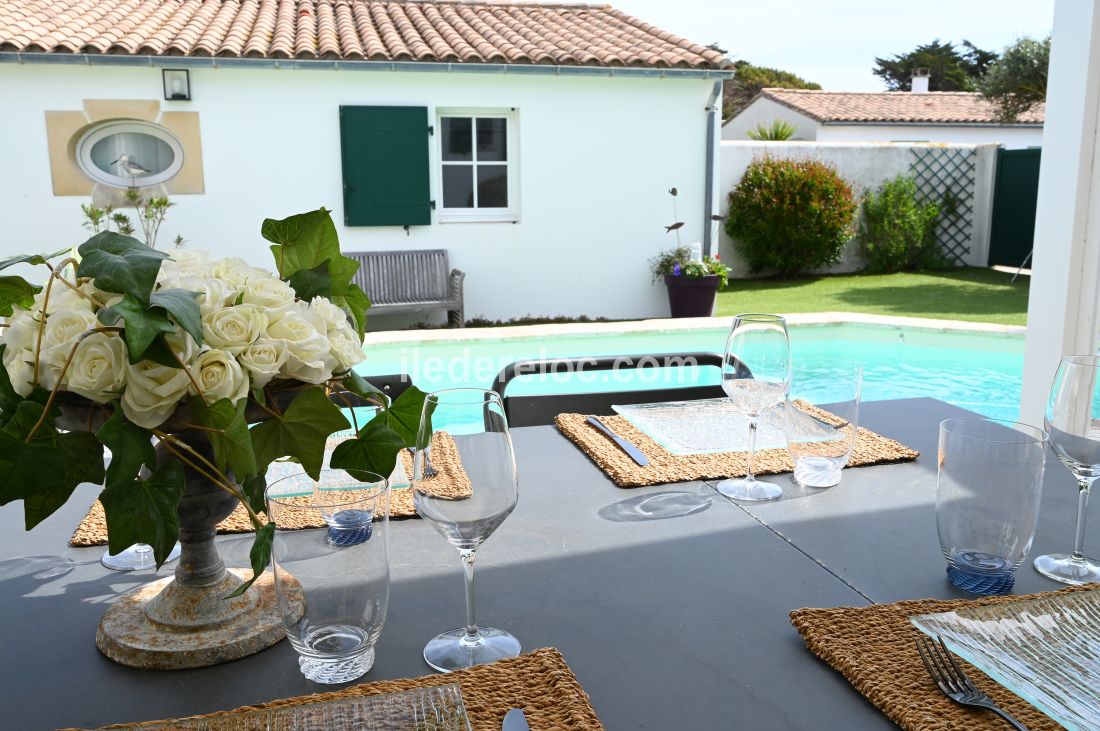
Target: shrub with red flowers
x=790 y=215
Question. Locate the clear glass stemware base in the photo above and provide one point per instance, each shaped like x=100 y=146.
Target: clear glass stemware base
x=1068 y=569
x=137 y=557
x=456 y=650
x=749 y=489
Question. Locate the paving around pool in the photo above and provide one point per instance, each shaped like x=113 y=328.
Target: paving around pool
x=975 y=366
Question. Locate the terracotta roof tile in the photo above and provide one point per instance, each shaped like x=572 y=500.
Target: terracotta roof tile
x=454 y=31
x=937 y=107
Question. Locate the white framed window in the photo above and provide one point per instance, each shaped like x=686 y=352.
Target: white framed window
x=478 y=172
x=124 y=153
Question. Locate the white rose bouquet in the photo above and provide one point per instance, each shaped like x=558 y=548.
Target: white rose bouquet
x=147 y=347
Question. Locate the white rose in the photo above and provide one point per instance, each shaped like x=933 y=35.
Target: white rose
x=263 y=359
x=347 y=351
x=152 y=393
x=99 y=368
x=21 y=331
x=233 y=328
x=267 y=292
x=63 y=329
x=236 y=272
x=220 y=376
x=186 y=262
x=309 y=357
x=213 y=294
x=326 y=316
x=63 y=297
x=19 y=363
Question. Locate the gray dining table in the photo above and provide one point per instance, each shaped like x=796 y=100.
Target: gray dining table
x=674 y=623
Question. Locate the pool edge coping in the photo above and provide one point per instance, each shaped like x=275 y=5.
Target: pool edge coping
x=509 y=332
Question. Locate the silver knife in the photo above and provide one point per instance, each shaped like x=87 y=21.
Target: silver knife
x=514 y=720
x=634 y=452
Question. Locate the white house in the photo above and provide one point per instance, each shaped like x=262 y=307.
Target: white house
x=889 y=116
x=536 y=143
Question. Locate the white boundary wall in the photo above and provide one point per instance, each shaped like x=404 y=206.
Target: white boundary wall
x=864 y=166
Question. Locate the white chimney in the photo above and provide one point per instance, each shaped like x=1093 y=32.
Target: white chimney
x=920 y=81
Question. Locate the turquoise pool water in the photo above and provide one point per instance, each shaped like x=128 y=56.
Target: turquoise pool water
x=977 y=371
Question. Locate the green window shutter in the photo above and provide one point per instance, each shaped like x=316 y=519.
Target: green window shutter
x=384 y=154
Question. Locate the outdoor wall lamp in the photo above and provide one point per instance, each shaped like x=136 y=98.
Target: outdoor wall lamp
x=177 y=85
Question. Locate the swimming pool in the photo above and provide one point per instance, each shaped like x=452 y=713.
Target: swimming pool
x=980 y=371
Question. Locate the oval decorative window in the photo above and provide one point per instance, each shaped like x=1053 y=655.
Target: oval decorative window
x=129 y=153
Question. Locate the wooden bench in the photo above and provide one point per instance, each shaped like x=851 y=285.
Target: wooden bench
x=410 y=281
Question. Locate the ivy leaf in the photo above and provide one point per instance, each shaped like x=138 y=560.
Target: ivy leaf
x=310 y=283
x=120 y=264
x=130 y=447
x=259 y=557
x=32 y=259
x=299 y=432
x=183 y=306
x=26 y=468
x=82 y=456
x=143 y=324
x=16 y=291
x=354 y=301
x=144 y=511
x=232 y=442
x=161 y=353
x=362 y=388
x=403 y=417
x=374 y=449
x=304 y=241
x=253 y=489
x=25 y=417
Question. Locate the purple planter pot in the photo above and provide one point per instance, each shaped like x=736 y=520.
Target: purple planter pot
x=692 y=297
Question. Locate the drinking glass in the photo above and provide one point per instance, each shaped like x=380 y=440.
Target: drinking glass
x=463 y=431
x=756 y=375
x=819 y=447
x=136 y=558
x=1073 y=420
x=341 y=571
x=990 y=479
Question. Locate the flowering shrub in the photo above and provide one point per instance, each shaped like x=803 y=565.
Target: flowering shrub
x=147 y=348
x=678 y=263
x=790 y=215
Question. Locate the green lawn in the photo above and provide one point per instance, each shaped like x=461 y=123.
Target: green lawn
x=978 y=295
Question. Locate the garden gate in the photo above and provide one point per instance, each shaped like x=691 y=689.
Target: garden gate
x=1015 y=191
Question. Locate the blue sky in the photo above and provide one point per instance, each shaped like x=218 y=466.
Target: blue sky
x=835 y=42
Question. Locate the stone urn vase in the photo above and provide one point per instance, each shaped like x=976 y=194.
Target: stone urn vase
x=185 y=620
x=692 y=297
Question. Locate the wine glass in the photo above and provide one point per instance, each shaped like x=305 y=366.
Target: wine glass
x=1073 y=421
x=756 y=375
x=464 y=435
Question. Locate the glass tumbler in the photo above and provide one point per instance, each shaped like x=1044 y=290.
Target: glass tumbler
x=340 y=571
x=820 y=445
x=987 y=499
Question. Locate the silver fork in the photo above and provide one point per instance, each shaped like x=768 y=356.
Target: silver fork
x=950 y=679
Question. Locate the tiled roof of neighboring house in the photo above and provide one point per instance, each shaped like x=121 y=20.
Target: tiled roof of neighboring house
x=373 y=30
x=936 y=107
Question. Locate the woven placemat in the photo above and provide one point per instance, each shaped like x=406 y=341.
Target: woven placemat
x=539 y=682
x=665 y=467
x=450 y=481
x=874 y=648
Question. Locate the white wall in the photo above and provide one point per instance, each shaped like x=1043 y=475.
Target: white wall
x=765 y=111
x=864 y=166
x=597 y=156
x=1012 y=137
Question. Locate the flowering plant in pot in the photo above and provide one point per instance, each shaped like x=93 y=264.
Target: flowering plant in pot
x=196 y=374
x=692 y=284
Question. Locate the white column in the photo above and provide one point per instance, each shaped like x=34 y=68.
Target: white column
x=1062 y=315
